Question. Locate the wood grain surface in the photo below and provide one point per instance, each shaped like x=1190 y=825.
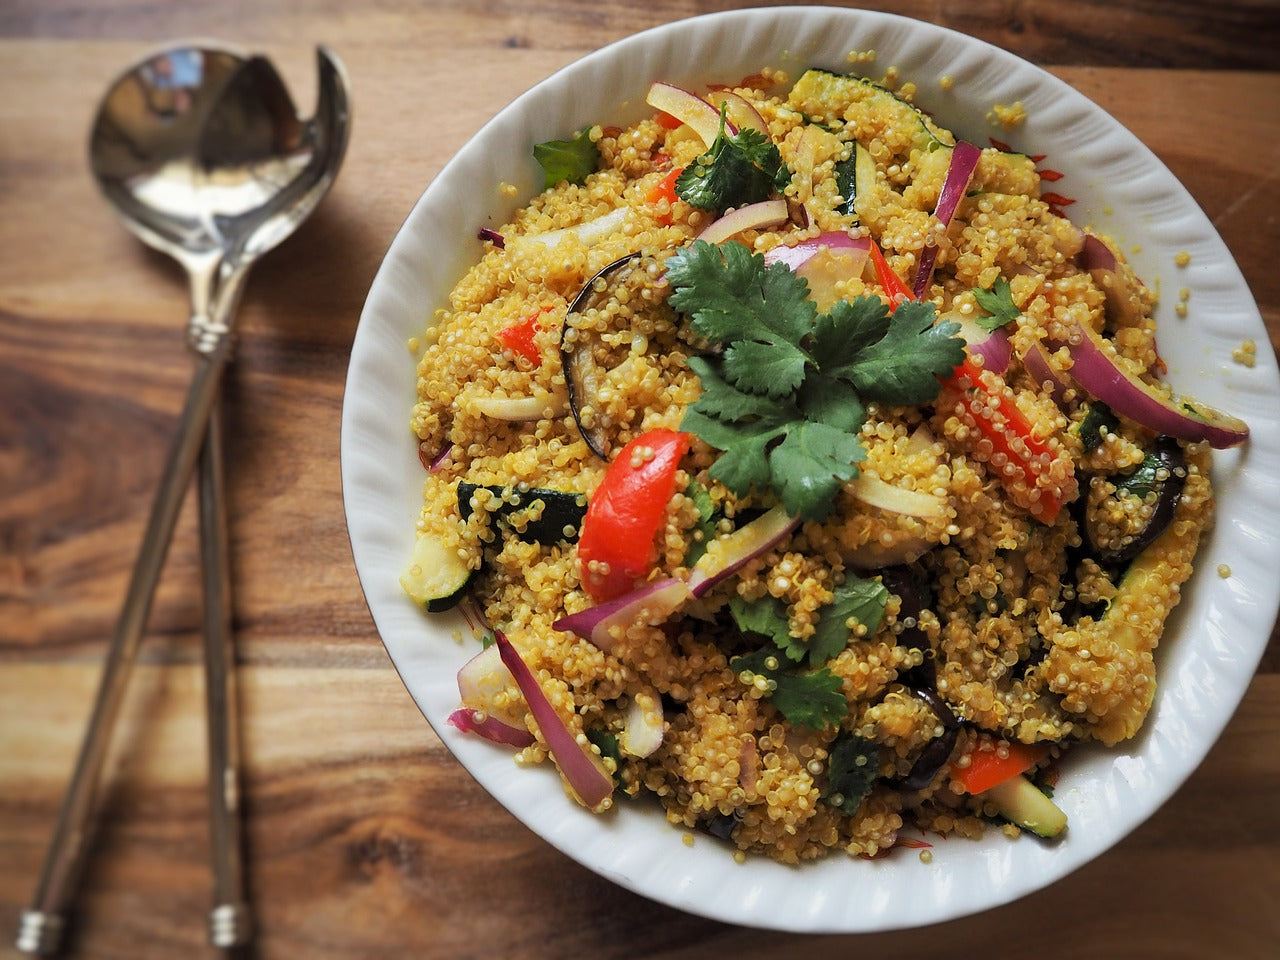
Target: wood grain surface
x=365 y=838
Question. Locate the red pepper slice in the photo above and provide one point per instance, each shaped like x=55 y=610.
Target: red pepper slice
x=518 y=337
x=1010 y=437
x=665 y=189
x=615 y=546
x=894 y=286
x=988 y=769
x=667 y=121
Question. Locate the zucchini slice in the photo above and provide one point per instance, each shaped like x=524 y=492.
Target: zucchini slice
x=436 y=576
x=534 y=514
x=854 y=178
x=819 y=94
x=1020 y=801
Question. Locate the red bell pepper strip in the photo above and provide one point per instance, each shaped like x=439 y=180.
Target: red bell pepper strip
x=895 y=287
x=1009 y=436
x=615 y=546
x=987 y=768
x=1012 y=432
x=518 y=337
x=665 y=189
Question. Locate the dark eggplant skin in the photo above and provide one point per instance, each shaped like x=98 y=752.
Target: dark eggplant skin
x=938 y=750
x=562 y=511
x=1167 y=454
x=572 y=356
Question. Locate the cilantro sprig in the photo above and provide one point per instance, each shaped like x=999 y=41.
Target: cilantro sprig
x=813 y=699
x=851 y=772
x=998 y=303
x=743 y=168
x=572 y=160
x=786 y=395
x=853 y=599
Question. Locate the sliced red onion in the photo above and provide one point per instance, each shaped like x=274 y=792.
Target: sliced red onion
x=739 y=111
x=654 y=601
x=644 y=725
x=964 y=160
x=992 y=345
x=480 y=680
x=1042 y=371
x=588 y=779
x=691 y=109
x=588 y=232
x=823 y=261
x=874 y=492
x=1096 y=370
x=521 y=409
x=727 y=555
x=490 y=727
x=1103 y=265
x=754 y=216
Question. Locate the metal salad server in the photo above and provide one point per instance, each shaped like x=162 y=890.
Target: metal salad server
x=201 y=152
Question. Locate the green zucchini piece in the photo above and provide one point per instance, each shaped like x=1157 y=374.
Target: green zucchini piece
x=1020 y=801
x=820 y=92
x=854 y=178
x=559 y=521
x=435 y=576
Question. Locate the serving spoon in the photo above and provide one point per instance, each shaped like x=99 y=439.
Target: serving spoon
x=202 y=154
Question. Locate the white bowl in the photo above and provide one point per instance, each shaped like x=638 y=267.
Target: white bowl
x=1213 y=642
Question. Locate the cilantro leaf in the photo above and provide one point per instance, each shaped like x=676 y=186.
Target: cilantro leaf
x=570 y=160
x=1098 y=417
x=786 y=398
x=902 y=366
x=998 y=302
x=814 y=700
x=854 y=599
x=850 y=328
x=852 y=770
x=730 y=295
x=706 y=522
x=739 y=169
x=768 y=618
x=811 y=464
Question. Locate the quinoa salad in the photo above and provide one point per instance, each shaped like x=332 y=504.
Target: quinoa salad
x=802 y=467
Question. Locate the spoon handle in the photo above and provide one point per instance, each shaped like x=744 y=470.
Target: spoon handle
x=229 y=920
x=42 y=924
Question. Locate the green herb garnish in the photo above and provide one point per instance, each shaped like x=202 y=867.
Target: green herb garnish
x=1098 y=417
x=786 y=420
x=735 y=170
x=854 y=599
x=998 y=302
x=851 y=772
x=567 y=160
x=812 y=700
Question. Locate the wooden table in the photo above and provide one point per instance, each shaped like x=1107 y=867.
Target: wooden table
x=365 y=839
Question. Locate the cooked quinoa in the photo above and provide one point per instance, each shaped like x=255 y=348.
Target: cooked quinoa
x=998 y=609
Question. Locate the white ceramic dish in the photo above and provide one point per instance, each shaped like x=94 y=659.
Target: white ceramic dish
x=1215 y=638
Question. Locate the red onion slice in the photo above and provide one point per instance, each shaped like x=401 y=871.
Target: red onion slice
x=739 y=111
x=727 y=555
x=588 y=779
x=754 y=216
x=964 y=160
x=480 y=681
x=992 y=345
x=654 y=602
x=1103 y=264
x=490 y=727
x=871 y=490
x=643 y=726
x=1096 y=370
x=824 y=261
x=1040 y=367
x=689 y=108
